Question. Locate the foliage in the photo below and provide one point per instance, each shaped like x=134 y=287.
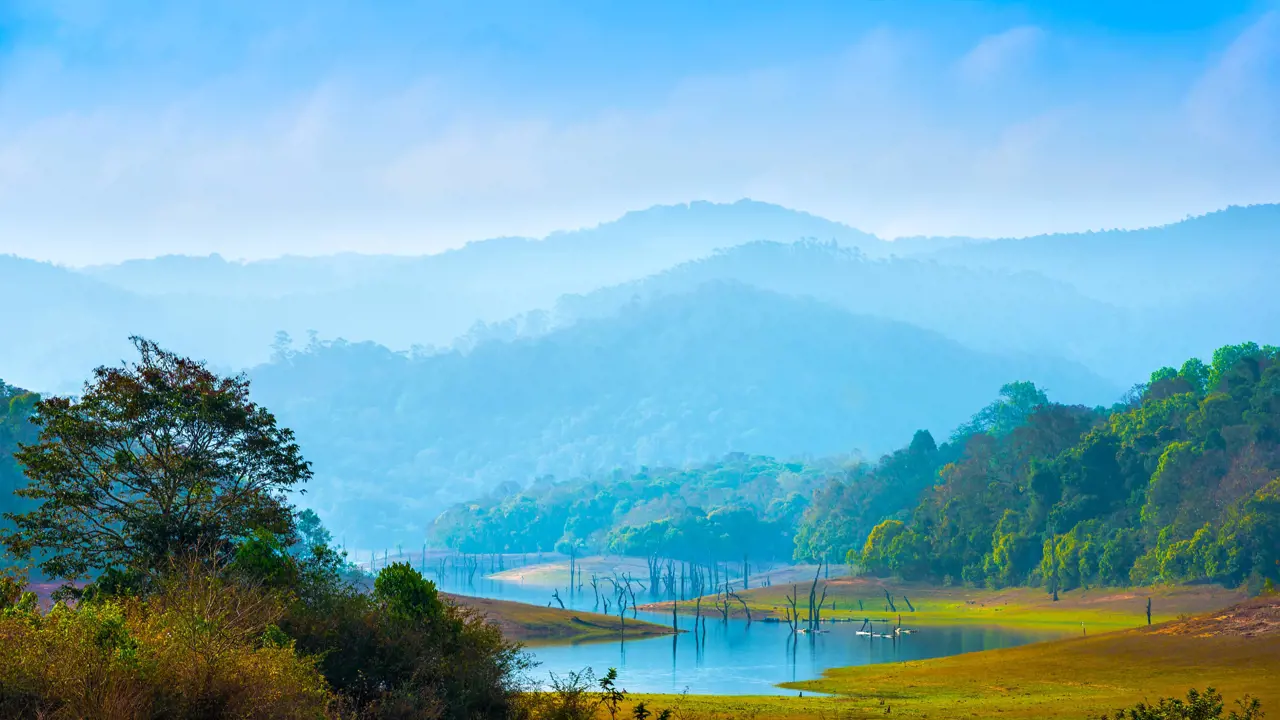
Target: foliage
x=581 y=696
x=842 y=512
x=16 y=406
x=208 y=599
x=1181 y=485
x=1198 y=706
x=741 y=504
x=153 y=459
x=1018 y=400
x=401 y=651
x=194 y=649
x=311 y=532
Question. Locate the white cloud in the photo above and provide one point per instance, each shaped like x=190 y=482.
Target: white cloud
x=1236 y=101
x=877 y=136
x=997 y=54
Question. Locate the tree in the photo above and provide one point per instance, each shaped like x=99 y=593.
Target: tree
x=156 y=458
x=1018 y=400
x=311 y=532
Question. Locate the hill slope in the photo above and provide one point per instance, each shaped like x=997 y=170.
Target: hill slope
x=988 y=310
x=1209 y=256
x=684 y=378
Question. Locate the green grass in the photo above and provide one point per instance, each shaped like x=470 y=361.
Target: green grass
x=1076 y=678
x=535 y=625
x=1099 y=609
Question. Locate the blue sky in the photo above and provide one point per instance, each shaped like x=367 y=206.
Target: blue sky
x=256 y=129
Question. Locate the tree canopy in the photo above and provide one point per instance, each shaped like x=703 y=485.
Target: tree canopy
x=741 y=504
x=1182 y=484
x=153 y=459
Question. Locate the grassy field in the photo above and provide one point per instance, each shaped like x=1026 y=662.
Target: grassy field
x=535 y=625
x=1099 y=608
x=1236 y=652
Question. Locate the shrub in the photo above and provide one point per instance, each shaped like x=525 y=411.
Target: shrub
x=402 y=651
x=193 y=650
x=1198 y=706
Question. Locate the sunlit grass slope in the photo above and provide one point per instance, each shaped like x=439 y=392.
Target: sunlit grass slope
x=536 y=625
x=1237 y=651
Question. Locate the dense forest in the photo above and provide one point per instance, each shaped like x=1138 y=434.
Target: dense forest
x=677 y=380
x=1176 y=483
x=715 y=511
x=1180 y=485
x=739 y=505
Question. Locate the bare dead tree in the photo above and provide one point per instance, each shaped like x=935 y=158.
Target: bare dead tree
x=817 y=616
x=745 y=609
x=793 y=616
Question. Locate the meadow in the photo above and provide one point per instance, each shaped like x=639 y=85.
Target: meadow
x=1236 y=651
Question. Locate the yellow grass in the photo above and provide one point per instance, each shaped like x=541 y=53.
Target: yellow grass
x=535 y=625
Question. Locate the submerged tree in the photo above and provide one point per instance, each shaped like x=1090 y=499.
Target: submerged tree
x=155 y=459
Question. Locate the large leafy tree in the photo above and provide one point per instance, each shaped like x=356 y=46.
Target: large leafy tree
x=157 y=458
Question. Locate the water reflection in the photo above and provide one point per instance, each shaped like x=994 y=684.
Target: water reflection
x=735 y=657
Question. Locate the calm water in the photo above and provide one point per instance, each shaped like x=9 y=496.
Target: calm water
x=734 y=658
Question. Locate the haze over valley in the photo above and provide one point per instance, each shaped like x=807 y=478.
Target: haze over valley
x=672 y=335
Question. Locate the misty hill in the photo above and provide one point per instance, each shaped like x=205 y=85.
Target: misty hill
x=989 y=310
x=637 y=244
x=683 y=378
x=1207 y=257
x=59 y=325
x=228 y=312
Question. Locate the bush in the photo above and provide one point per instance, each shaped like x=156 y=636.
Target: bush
x=1198 y=706
x=194 y=649
x=402 y=651
x=572 y=698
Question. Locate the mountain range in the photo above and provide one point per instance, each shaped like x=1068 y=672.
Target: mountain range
x=671 y=335
x=723 y=368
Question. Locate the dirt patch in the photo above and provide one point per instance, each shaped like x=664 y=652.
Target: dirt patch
x=1253 y=618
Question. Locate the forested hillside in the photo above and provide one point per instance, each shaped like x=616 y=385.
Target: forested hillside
x=1102 y=299
x=1179 y=264
x=739 y=505
x=989 y=310
x=678 y=380
x=1181 y=485
x=227 y=311
x=15 y=409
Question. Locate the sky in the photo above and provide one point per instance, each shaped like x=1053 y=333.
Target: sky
x=252 y=129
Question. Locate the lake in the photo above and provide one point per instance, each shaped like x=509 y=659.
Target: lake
x=734 y=658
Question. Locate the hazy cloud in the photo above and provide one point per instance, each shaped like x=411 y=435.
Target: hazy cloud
x=996 y=54
x=879 y=135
